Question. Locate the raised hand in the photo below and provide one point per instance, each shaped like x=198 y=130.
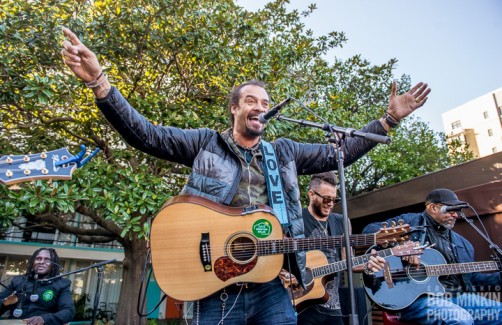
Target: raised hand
x=403 y=105
x=81 y=61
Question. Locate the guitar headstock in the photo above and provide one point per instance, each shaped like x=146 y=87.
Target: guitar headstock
x=394 y=234
x=407 y=248
x=25 y=168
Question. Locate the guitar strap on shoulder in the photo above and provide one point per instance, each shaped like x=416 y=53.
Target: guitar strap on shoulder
x=275 y=191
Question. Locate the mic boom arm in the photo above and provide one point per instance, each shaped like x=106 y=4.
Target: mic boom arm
x=349 y=132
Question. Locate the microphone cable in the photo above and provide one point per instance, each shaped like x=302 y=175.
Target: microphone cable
x=34 y=295
x=141 y=303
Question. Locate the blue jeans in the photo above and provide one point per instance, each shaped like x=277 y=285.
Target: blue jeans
x=311 y=316
x=260 y=303
x=454 y=308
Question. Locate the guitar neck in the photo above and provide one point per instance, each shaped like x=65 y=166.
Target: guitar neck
x=460 y=268
x=324 y=270
x=292 y=245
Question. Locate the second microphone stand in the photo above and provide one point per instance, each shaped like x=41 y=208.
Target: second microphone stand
x=339 y=135
x=100 y=268
x=497 y=252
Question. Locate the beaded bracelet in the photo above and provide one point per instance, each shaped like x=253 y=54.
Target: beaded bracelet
x=90 y=84
x=390 y=119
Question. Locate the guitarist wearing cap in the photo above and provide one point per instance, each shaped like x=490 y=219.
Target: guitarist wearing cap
x=460 y=305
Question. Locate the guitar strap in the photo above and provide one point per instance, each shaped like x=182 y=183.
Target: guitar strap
x=275 y=191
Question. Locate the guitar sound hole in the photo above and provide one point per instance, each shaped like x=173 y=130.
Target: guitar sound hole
x=419 y=275
x=242 y=249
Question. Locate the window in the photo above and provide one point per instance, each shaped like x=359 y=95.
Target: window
x=485 y=114
x=456 y=125
x=490 y=132
x=494 y=149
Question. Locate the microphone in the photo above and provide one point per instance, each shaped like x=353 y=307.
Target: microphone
x=448 y=208
x=265 y=117
x=34 y=294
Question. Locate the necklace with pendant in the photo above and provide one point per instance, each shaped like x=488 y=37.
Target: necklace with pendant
x=324 y=228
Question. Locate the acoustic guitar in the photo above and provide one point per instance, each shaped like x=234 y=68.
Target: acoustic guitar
x=405 y=283
x=319 y=272
x=199 y=246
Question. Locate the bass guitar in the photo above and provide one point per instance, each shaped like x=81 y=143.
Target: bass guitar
x=405 y=283
x=318 y=272
x=199 y=246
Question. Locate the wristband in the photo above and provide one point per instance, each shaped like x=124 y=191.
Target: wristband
x=390 y=119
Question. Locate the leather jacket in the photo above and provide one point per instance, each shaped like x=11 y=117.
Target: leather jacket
x=215 y=168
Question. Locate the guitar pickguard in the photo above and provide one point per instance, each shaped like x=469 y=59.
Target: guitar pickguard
x=226 y=269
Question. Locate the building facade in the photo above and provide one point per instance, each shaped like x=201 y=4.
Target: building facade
x=477 y=123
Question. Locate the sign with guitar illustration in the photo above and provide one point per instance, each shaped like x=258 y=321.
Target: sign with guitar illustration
x=56 y=164
x=405 y=283
x=318 y=272
x=199 y=246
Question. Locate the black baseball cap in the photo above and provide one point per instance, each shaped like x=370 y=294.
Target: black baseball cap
x=444 y=196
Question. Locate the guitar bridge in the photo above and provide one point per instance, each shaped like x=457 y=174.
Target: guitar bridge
x=205 y=252
x=388 y=276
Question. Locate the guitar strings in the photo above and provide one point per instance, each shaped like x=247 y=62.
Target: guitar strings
x=427 y=271
x=272 y=247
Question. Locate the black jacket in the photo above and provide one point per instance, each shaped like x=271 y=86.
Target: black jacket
x=216 y=169
x=54 y=304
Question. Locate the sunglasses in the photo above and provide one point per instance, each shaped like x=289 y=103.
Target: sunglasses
x=326 y=199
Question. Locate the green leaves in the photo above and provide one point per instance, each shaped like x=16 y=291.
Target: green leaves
x=176 y=62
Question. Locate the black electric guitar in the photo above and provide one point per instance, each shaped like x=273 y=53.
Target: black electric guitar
x=400 y=287
x=56 y=164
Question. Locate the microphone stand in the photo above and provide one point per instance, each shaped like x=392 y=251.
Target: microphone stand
x=340 y=133
x=100 y=269
x=497 y=252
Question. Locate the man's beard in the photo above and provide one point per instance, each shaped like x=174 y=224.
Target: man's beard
x=316 y=208
x=448 y=225
x=253 y=133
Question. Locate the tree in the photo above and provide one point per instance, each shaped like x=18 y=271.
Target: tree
x=175 y=61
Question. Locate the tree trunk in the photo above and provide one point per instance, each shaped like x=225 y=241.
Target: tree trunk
x=134 y=261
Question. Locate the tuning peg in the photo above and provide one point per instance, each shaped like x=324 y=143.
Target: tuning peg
x=393 y=223
x=384 y=224
x=400 y=222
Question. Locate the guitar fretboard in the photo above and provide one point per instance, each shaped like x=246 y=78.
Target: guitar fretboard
x=459 y=268
x=342 y=265
x=291 y=245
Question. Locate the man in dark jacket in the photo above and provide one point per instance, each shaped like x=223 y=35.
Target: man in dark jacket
x=228 y=168
x=458 y=306
x=319 y=221
x=39 y=302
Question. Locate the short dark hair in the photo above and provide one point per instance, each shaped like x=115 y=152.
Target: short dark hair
x=317 y=179
x=233 y=97
x=55 y=266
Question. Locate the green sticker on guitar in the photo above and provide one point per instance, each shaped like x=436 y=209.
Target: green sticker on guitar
x=262 y=228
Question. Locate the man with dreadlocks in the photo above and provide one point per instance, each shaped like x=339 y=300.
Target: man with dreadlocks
x=35 y=301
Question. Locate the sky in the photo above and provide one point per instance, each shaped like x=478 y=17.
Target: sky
x=453 y=45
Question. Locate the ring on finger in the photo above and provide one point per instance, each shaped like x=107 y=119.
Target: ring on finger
x=417 y=100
